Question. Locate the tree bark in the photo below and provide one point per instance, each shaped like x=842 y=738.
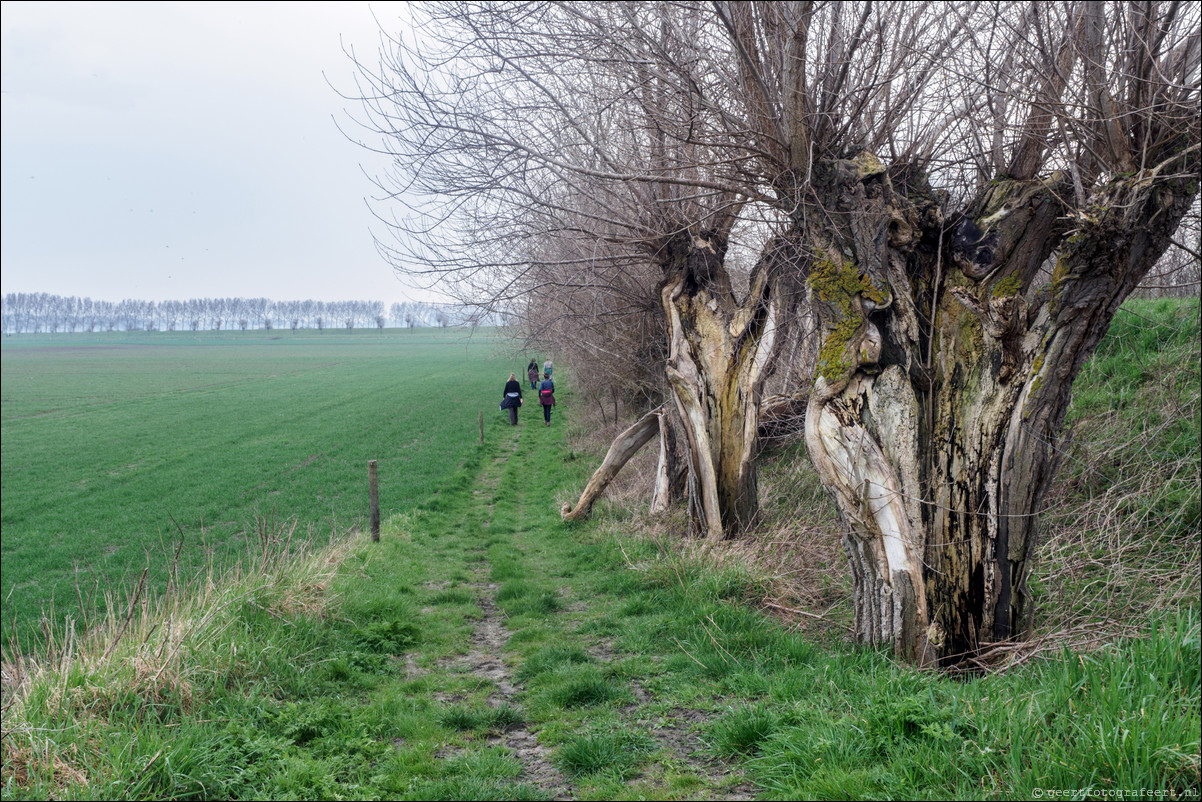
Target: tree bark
x=945 y=374
x=661 y=495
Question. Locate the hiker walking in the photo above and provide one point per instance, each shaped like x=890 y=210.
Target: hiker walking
x=532 y=374
x=547 y=366
x=546 y=395
x=512 y=398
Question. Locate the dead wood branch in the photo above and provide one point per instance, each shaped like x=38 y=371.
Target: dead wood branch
x=624 y=446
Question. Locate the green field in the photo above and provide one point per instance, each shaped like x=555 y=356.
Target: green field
x=485 y=649
x=114 y=444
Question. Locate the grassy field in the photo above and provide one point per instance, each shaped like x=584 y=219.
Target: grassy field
x=115 y=444
x=486 y=650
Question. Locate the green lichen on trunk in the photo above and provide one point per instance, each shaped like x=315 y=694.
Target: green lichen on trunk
x=1059 y=273
x=839 y=285
x=868 y=163
x=1010 y=285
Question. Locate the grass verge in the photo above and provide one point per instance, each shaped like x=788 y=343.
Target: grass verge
x=130 y=704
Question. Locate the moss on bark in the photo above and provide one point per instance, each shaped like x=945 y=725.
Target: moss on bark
x=839 y=285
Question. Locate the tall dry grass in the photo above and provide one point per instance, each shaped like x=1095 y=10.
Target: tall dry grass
x=155 y=649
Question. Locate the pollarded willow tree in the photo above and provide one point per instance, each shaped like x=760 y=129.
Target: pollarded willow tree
x=946 y=372
x=579 y=157
x=966 y=191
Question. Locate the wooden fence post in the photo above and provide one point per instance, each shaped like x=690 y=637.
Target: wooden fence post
x=373 y=494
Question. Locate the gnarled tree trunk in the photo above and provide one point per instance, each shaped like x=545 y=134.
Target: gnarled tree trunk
x=624 y=446
x=721 y=350
x=944 y=376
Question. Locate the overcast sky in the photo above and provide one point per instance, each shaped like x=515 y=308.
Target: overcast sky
x=184 y=150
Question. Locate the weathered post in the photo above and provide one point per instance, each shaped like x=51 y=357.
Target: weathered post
x=373 y=494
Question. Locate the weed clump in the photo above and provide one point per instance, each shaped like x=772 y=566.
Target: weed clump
x=549 y=658
x=452 y=596
x=741 y=731
x=519 y=597
x=387 y=637
x=481 y=718
x=619 y=753
x=581 y=686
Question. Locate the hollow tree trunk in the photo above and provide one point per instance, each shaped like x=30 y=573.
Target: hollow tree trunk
x=944 y=375
x=720 y=352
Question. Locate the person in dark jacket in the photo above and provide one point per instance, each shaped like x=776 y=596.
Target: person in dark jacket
x=513 y=398
x=532 y=374
x=546 y=396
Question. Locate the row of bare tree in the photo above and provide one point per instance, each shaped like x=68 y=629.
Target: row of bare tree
x=953 y=198
x=37 y=312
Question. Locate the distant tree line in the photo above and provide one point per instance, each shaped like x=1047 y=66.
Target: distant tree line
x=40 y=312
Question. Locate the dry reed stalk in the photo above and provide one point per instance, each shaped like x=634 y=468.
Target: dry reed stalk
x=129 y=614
x=794 y=611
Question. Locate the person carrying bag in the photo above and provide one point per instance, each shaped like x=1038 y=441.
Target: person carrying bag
x=546 y=396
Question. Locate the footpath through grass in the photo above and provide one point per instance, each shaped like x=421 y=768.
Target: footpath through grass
x=483 y=650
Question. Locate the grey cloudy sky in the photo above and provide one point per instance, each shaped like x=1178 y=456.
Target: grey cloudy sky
x=182 y=150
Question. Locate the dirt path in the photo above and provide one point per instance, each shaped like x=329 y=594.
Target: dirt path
x=484 y=658
x=674 y=731
x=484 y=661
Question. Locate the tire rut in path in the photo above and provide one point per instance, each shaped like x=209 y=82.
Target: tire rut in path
x=484 y=659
